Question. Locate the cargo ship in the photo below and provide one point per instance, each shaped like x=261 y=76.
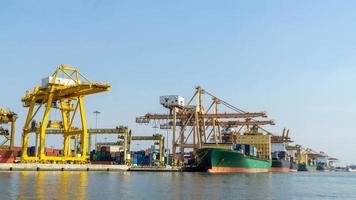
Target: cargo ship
x=308 y=161
x=351 y=168
x=325 y=163
x=302 y=167
x=247 y=153
x=324 y=168
x=281 y=164
x=220 y=160
x=283 y=158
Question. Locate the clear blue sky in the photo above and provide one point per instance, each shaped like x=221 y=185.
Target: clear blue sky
x=294 y=59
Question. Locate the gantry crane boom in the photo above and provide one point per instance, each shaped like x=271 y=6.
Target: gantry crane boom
x=284 y=138
x=41 y=95
x=207 y=116
x=113 y=131
x=227 y=123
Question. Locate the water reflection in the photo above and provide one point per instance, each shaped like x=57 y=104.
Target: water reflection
x=51 y=185
x=221 y=186
x=40 y=185
x=128 y=185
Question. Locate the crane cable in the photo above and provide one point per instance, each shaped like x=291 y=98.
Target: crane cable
x=234 y=108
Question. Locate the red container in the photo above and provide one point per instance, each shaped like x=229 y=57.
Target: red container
x=101 y=162
x=7 y=160
x=50 y=150
x=18 y=148
x=17 y=151
x=6 y=156
x=103 y=149
x=56 y=151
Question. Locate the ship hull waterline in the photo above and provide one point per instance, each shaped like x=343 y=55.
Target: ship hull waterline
x=306 y=168
x=227 y=161
x=280 y=165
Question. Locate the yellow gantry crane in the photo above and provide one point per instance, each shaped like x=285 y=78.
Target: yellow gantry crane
x=7 y=117
x=194 y=126
x=308 y=157
x=64 y=90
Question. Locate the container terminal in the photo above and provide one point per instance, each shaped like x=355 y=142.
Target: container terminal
x=207 y=134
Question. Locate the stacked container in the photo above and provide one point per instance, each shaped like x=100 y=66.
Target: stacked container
x=6 y=156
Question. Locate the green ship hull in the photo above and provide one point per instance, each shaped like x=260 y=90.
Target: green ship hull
x=227 y=161
x=306 y=168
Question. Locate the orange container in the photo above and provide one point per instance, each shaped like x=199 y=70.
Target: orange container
x=6 y=156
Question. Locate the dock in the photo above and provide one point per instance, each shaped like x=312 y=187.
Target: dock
x=155 y=169
x=60 y=167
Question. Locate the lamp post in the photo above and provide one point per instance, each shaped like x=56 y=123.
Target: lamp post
x=96 y=123
x=167 y=153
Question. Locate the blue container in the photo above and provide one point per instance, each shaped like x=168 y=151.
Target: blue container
x=168 y=160
x=282 y=154
x=247 y=149
x=236 y=147
x=31 y=151
x=139 y=159
x=146 y=160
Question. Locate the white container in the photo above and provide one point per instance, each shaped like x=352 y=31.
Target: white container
x=114 y=148
x=171 y=101
x=278 y=147
x=59 y=81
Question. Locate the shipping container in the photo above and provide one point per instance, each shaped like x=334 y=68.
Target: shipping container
x=6 y=156
x=168 y=160
x=282 y=154
x=103 y=149
x=114 y=148
x=253 y=151
x=247 y=149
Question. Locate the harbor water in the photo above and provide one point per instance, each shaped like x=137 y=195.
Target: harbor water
x=146 y=185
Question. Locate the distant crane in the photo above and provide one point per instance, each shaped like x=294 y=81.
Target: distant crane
x=192 y=125
x=284 y=138
x=7 y=117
